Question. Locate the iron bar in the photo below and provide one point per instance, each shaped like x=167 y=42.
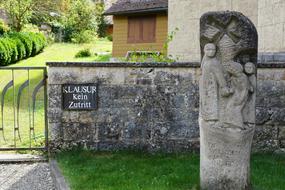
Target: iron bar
x=22 y=68
x=9 y=85
x=14 y=111
x=22 y=87
x=45 y=105
x=36 y=90
x=16 y=98
x=15 y=149
x=29 y=108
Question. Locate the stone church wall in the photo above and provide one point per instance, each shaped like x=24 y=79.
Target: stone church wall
x=152 y=107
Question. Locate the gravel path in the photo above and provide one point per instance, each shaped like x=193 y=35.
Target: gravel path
x=34 y=176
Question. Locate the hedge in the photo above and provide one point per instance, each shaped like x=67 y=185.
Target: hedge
x=17 y=46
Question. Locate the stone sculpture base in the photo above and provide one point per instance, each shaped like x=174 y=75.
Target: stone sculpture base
x=225 y=157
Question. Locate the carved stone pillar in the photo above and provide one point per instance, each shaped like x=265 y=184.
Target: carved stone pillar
x=227 y=100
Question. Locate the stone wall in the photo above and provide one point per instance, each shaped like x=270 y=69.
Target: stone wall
x=271 y=26
x=268 y=17
x=151 y=107
x=270 y=131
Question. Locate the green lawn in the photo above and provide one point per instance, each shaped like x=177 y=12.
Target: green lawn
x=54 y=52
x=87 y=170
x=67 y=51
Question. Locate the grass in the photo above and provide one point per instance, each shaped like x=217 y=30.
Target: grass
x=87 y=170
x=54 y=52
x=67 y=51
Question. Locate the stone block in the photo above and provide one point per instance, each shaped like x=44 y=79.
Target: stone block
x=77 y=132
x=282 y=133
x=263 y=115
x=109 y=131
x=184 y=129
x=86 y=117
x=136 y=131
x=278 y=116
x=54 y=96
x=70 y=116
x=279 y=57
x=265 y=138
x=54 y=115
x=55 y=131
x=282 y=145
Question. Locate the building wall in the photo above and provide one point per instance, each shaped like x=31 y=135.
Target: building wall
x=268 y=17
x=120 y=35
x=271 y=25
x=152 y=107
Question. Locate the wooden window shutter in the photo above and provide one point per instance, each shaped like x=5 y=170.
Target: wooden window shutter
x=133 y=30
x=149 y=29
x=141 y=29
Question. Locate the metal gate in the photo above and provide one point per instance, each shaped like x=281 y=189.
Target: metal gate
x=23 y=100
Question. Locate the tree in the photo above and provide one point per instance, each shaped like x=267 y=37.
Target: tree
x=79 y=18
x=21 y=11
x=100 y=19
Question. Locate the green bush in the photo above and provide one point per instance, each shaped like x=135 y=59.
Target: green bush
x=8 y=51
x=20 y=48
x=34 y=42
x=14 y=50
x=83 y=53
x=39 y=43
x=17 y=46
x=78 y=21
x=4 y=53
x=110 y=38
x=3 y=27
x=83 y=37
x=26 y=40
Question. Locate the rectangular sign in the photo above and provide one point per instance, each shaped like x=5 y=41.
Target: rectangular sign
x=79 y=96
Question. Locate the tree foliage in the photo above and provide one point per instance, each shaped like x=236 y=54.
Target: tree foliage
x=21 y=11
x=100 y=19
x=75 y=17
x=78 y=19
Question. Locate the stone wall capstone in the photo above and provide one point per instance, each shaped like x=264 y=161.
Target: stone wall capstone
x=152 y=107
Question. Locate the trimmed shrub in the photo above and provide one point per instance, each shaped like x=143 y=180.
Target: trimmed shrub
x=39 y=42
x=21 y=48
x=83 y=53
x=26 y=40
x=14 y=50
x=17 y=46
x=34 y=42
x=4 y=54
x=9 y=52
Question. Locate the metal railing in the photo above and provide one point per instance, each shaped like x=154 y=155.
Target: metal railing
x=17 y=97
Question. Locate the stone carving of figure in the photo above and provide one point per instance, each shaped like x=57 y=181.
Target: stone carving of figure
x=228 y=43
x=240 y=86
x=248 y=112
x=212 y=84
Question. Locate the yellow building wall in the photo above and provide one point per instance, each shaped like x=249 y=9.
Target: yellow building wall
x=120 y=36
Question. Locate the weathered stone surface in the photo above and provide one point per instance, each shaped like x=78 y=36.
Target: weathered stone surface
x=142 y=109
x=265 y=138
x=282 y=132
x=55 y=130
x=227 y=100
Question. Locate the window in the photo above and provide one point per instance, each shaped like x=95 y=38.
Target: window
x=141 y=29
